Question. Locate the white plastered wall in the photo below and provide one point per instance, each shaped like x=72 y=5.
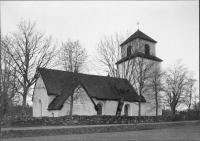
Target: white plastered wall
x=40 y=94
x=135 y=44
x=81 y=106
x=84 y=106
x=109 y=107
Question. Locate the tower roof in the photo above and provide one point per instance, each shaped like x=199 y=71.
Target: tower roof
x=139 y=54
x=138 y=34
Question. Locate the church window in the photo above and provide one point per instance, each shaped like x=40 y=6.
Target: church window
x=126 y=109
x=147 y=49
x=99 y=111
x=52 y=114
x=40 y=108
x=129 y=51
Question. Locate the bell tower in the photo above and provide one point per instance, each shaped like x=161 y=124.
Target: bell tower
x=138 y=45
x=138 y=65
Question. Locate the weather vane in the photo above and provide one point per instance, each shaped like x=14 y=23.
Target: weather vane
x=138 y=25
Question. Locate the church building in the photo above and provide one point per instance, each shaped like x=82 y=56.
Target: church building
x=91 y=94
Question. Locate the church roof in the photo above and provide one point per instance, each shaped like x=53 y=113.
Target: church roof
x=138 y=34
x=63 y=83
x=139 y=54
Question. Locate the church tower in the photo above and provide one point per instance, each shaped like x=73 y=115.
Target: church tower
x=138 y=45
x=138 y=64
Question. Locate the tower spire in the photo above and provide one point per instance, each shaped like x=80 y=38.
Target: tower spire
x=138 y=25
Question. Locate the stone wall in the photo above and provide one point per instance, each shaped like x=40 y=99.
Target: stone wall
x=83 y=120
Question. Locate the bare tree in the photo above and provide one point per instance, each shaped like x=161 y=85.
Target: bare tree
x=9 y=84
x=108 y=53
x=139 y=77
x=190 y=93
x=1 y=98
x=195 y=104
x=73 y=56
x=74 y=59
x=157 y=87
x=29 y=49
x=78 y=94
x=176 y=81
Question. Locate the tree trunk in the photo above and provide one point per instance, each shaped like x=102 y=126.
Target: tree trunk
x=2 y=104
x=173 y=109
x=197 y=114
x=71 y=106
x=120 y=105
x=189 y=111
x=5 y=103
x=156 y=109
x=24 y=101
x=156 y=98
x=139 y=108
x=5 y=107
x=199 y=106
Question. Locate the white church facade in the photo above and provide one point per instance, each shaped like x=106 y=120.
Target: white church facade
x=94 y=95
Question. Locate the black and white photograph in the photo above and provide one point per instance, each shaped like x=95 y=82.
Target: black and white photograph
x=99 y=70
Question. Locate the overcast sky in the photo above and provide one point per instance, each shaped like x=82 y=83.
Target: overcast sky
x=174 y=25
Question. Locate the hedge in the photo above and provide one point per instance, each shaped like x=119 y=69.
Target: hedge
x=27 y=121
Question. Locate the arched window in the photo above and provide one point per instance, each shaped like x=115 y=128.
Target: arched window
x=147 y=50
x=128 y=50
x=40 y=108
x=99 y=112
x=126 y=110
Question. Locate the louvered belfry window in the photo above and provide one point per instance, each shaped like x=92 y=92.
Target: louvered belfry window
x=129 y=51
x=147 y=49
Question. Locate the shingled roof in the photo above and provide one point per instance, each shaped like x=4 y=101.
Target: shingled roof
x=63 y=83
x=138 y=34
x=139 y=54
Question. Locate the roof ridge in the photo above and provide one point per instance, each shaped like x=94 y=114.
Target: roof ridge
x=83 y=73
